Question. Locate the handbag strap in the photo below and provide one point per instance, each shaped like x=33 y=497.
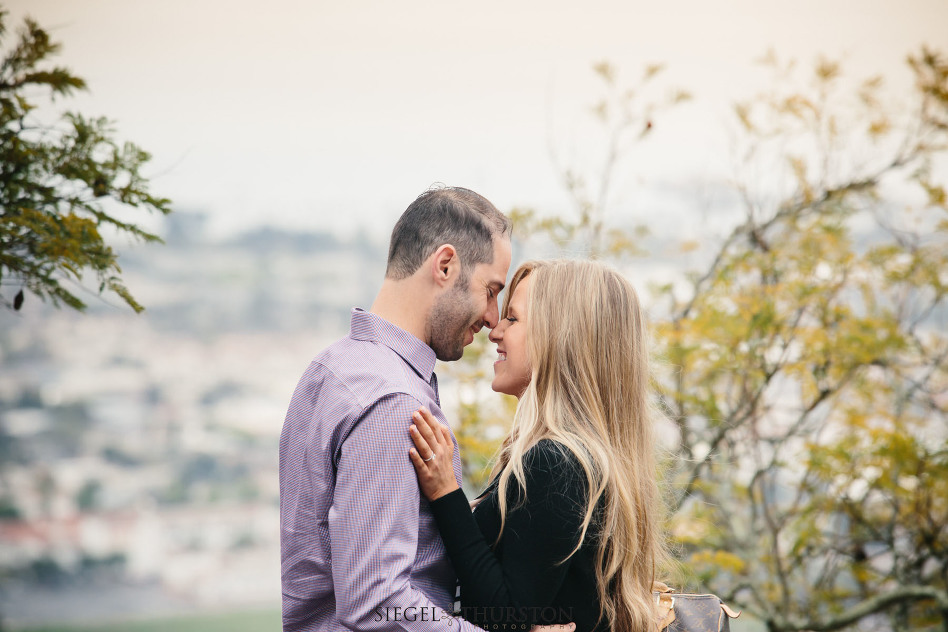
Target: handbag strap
x=666 y=609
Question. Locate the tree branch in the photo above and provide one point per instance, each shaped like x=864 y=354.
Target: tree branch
x=873 y=605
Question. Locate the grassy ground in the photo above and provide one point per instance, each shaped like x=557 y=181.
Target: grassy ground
x=257 y=621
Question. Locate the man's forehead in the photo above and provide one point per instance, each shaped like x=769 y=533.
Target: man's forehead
x=492 y=273
x=496 y=271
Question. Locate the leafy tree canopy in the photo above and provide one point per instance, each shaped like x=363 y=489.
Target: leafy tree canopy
x=60 y=183
x=807 y=355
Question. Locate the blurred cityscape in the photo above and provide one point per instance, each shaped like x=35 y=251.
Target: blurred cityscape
x=138 y=453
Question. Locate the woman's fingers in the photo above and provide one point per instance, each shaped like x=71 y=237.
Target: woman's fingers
x=416 y=461
x=424 y=412
x=446 y=436
x=430 y=430
x=433 y=455
x=421 y=444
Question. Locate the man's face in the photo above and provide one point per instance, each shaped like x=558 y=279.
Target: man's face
x=463 y=310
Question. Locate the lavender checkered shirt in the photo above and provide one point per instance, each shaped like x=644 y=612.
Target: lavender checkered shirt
x=360 y=548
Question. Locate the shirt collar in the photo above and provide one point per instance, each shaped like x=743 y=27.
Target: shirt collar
x=370 y=327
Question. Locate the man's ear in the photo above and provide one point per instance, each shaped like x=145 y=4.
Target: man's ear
x=445 y=265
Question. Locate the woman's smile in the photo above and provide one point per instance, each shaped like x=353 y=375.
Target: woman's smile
x=512 y=366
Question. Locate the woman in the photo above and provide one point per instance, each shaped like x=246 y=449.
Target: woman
x=570 y=527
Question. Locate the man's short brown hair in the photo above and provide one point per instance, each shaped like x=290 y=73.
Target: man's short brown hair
x=445 y=215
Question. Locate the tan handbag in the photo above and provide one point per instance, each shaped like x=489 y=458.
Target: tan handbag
x=686 y=612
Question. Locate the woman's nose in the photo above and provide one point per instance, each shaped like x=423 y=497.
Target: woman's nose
x=495 y=334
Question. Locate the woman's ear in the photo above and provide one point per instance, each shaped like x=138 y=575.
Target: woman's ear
x=445 y=265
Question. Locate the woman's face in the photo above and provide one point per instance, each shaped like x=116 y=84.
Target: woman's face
x=512 y=368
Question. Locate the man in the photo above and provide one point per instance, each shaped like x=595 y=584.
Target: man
x=360 y=549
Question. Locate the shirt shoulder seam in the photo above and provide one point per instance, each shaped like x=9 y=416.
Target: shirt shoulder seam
x=364 y=405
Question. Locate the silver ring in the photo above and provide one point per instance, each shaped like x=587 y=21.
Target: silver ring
x=429 y=458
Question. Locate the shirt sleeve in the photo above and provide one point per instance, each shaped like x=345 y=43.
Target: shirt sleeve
x=373 y=526
x=524 y=572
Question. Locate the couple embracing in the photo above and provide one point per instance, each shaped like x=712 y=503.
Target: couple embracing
x=377 y=534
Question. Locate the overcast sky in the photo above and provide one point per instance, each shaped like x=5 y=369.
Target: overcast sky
x=336 y=114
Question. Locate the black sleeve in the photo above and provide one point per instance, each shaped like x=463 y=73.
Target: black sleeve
x=525 y=572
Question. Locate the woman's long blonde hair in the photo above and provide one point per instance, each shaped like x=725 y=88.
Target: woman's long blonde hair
x=590 y=391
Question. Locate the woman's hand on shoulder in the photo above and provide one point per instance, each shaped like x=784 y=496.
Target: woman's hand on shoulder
x=432 y=456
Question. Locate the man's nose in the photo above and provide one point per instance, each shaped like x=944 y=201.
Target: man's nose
x=492 y=315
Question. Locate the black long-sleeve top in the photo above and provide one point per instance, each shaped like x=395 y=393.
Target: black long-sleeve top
x=521 y=579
